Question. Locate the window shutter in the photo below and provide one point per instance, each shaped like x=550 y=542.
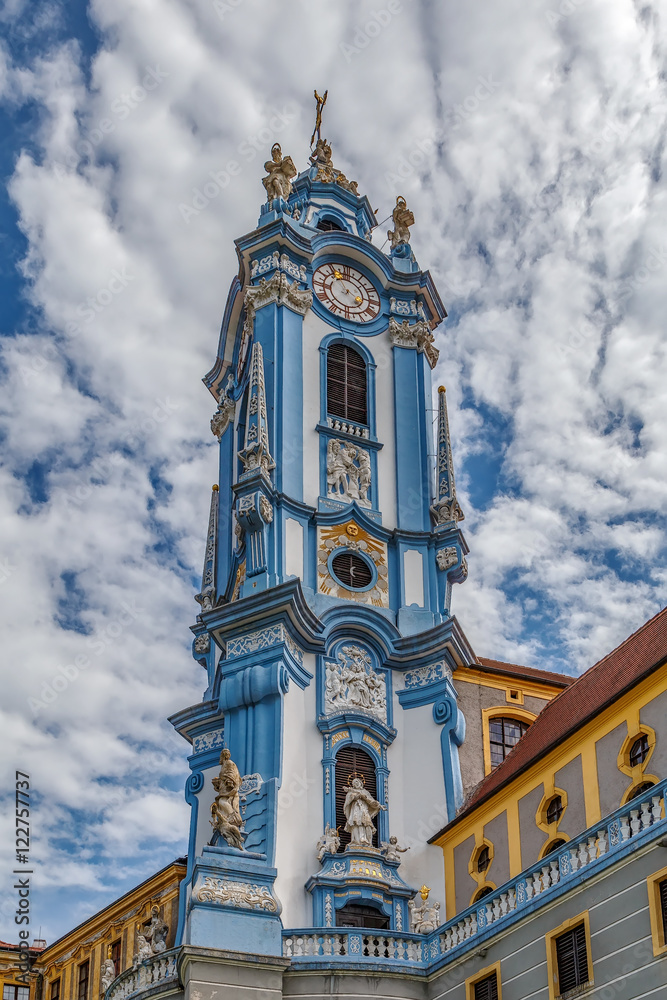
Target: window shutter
x=572 y=959
x=346 y=384
x=487 y=988
x=663 y=906
x=349 y=759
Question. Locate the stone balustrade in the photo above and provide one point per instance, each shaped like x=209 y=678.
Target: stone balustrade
x=154 y=973
x=591 y=851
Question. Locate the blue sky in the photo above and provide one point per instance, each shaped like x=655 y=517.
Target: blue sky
x=528 y=141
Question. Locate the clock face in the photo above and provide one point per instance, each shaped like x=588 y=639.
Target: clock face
x=346 y=292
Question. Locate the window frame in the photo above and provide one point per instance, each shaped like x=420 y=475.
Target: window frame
x=658 y=928
x=348 y=348
x=472 y=981
x=55 y=995
x=15 y=987
x=512 y=711
x=552 y=964
x=79 y=979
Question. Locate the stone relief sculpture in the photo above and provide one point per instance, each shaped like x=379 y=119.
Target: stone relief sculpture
x=360 y=808
x=348 y=472
x=351 y=683
x=391 y=850
x=226 y=409
x=328 y=843
x=446 y=558
x=424 y=917
x=403 y=219
x=225 y=809
x=280 y=170
x=150 y=937
x=108 y=972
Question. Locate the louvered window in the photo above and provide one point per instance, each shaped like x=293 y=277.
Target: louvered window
x=487 y=988
x=55 y=990
x=352 y=571
x=504 y=734
x=663 y=907
x=115 y=956
x=348 y=760
x=572 y=959
x=346 y=384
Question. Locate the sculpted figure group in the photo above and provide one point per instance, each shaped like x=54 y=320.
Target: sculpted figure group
x=348 y=472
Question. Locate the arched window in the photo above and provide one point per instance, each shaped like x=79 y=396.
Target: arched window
x=346 y=384
x=350 y=760
x=555 y=845
x=639 y=790
x=486 y=890
x=504 y=734
x=329 y=226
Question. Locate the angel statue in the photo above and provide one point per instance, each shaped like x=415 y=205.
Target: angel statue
x=360 y=807
x=425 y=917
x=280 y=169
x=328 y=843
x=391 y=850
x=403 y=218
x=225 y=808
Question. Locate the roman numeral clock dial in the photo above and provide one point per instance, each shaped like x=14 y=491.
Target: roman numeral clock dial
x=346 y=292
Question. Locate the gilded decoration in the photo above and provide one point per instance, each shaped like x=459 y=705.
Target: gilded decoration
x=334 y=537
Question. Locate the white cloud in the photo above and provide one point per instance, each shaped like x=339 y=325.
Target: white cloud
x=540 y=211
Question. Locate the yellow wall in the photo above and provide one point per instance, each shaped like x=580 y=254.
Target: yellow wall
x=625 y=713
x=118 y=921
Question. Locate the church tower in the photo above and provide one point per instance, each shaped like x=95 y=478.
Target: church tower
x=325 y=627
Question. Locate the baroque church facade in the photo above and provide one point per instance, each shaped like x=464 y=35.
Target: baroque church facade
x=375 y=810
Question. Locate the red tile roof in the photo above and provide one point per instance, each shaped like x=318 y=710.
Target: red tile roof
x=526 y=673
x=639 y=655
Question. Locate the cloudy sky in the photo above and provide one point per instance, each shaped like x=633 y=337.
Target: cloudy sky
x=529 y=140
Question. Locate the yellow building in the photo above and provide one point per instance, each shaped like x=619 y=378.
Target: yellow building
x=16 y=985
x=590 y=750
x=72 y=967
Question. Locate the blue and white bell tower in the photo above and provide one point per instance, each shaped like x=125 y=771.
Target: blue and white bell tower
x=325 y=626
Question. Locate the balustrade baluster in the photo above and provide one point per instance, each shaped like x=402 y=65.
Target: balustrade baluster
x=635 y=822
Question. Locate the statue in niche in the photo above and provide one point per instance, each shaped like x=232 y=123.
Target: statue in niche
x=424 y=917
x=360 y=808
x=391 y=850
x=328 y=843
x=351 y=683
x=225 y=809
x=151 y=937
x=280 y=170
x=403 y=219
x=108 y=972
x=348 y=472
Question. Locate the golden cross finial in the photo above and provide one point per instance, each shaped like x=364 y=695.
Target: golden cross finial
x=321 y=101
